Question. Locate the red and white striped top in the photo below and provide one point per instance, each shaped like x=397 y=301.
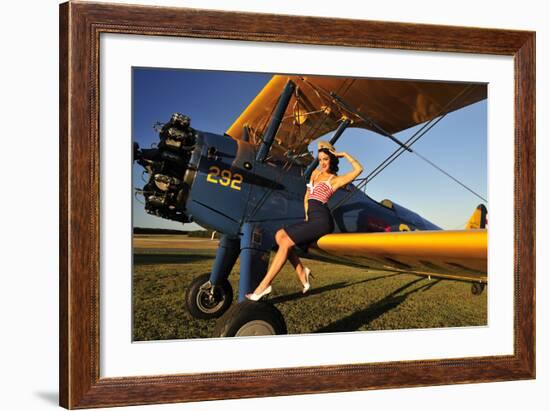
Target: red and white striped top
x=321 y=191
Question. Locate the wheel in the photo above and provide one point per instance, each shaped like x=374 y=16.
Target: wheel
x=205 y=301
x=477 y=288
x=250 y=318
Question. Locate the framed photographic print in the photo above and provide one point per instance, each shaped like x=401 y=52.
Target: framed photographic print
x=361 y=285
x=391 y=165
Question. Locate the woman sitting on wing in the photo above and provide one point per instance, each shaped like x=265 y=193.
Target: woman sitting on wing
x=318 y=222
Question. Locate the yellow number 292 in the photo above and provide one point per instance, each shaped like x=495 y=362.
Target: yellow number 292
x=224 y=177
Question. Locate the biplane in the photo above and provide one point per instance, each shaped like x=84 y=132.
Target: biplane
x=250 y=182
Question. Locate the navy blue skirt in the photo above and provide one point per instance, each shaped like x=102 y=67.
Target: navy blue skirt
x=319 y=222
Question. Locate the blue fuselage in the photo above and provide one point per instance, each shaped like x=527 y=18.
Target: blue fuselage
x=230 y=188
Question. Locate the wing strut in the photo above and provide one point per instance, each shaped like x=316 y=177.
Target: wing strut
x=276 y=119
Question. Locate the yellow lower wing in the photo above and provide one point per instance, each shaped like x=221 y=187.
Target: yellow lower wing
x=450 y=254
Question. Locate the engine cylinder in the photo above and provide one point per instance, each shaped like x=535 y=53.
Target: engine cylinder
x=167 y=188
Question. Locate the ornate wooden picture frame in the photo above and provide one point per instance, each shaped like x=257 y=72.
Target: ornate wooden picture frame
x=81 y=25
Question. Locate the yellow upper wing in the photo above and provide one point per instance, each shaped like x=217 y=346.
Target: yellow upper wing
x=452 y=254
x=319 y=103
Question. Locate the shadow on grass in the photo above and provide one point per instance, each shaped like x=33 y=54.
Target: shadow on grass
x=320 y=290
x=360 y=318
x=429 y=286
x=148 y=259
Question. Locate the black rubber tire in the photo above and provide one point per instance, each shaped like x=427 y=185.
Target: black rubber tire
x=477 y=288
x=250 y=318
x=200 y=305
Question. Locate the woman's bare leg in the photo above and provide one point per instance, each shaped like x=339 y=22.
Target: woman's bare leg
x=298 y=266
x=285 y=244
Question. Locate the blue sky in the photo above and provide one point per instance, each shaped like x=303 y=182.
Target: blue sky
x=213 y=100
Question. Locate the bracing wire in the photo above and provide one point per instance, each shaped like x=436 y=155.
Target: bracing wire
x=413 y=139
x=449 y=175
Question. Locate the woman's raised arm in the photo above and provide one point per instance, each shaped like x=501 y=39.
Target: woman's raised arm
x=341 y=181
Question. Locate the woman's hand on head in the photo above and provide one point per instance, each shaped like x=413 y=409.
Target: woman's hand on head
x=339 y=155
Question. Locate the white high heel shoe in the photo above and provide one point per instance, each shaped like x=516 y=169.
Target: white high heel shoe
x=256 y=297
x=307 y=285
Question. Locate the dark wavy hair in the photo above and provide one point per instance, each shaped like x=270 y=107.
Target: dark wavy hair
x=333 y=160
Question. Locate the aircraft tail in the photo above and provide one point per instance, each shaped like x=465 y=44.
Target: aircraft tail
x=478 y=218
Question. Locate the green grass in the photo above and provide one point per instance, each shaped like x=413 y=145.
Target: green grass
x=342 y=298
